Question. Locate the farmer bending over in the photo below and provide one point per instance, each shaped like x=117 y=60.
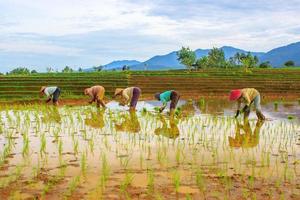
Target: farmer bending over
x=97 y=94
x=129 y=95
x=52 y=93
x=167 y=96
x=247 y=96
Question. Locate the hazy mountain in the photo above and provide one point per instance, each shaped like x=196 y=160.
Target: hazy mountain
x=161 y=62
x=169 y=61
x=279 y=56
x=120 y=63
x=116 y=65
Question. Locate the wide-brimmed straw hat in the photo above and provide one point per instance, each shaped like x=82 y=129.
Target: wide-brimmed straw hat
x=42 y=89
x=235 y=95
x=118 y=91
x=86 y=91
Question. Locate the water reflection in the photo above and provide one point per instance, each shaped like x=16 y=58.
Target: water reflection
x=244 y=136
x=130 y=123
x=96 y=120
x=170 y=131
x=51 y=115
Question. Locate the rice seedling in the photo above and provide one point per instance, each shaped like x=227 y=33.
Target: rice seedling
x=74 y=183
x=176 y=180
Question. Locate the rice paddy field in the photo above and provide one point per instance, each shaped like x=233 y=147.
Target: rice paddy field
x=83 y=152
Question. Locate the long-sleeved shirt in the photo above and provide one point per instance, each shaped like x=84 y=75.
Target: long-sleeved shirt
x=127 y=94
x=96 y=92
x=248 y=95
x=49 y=91
x=165 y=96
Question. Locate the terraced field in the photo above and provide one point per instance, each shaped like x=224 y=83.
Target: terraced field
x=279 y=83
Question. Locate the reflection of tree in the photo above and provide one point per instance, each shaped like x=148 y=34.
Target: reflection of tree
x=130 y=123
x=96 y=120
x=51 y=115
x=171 y=131
x=249 y=138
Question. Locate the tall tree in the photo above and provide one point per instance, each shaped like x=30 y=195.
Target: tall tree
x=216 y=58
x=186 y=57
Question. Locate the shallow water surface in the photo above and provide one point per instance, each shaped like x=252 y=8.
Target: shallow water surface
x=84 y=152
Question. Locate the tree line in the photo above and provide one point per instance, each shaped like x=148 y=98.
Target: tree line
x=216 y=59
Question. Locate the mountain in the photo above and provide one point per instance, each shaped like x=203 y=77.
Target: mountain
x=162 y=62
x=116 y=65
x=169 y=61
x=120 y=63
x=279 y=56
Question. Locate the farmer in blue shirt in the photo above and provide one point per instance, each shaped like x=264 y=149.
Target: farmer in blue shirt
x=167 y=96
x=52 y=93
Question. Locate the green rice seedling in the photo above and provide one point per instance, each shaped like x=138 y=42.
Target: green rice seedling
x=188 y=197
x=200 y=181
x=72 y=187
x=43 y=144
x=75 y=147
x=25 y=149
x=291 y=117
x=276 y=105
x=60 y=147
x=83 y=164
x=150 y=181
x=126 y=182
x=14 y=176
x=176 y=180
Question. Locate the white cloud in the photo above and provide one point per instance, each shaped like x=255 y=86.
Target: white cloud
x=144 y=28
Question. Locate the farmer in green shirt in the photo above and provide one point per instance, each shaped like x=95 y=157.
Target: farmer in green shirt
x=52 y=93
x=167 y=96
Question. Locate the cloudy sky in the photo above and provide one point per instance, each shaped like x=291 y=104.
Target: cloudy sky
x=56 y=33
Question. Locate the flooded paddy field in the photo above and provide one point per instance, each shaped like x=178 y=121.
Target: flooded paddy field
x=81 y=152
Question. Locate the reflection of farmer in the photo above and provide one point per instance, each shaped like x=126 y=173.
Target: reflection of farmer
x=247 y=96
x=129 y=95
x=130 y=123
x=249 y=138
x=97 y=94
x=96 y=120
x=170 y=132
x=52 y=93
x=167 y=96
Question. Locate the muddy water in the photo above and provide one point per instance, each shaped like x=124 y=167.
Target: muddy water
x=64 y=153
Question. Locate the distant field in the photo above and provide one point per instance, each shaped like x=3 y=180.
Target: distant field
x=281 y=83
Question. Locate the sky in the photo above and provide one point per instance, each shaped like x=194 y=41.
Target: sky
x=85 y=33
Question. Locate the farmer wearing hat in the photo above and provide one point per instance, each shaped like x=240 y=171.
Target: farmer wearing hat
x=52 y=93
x=165 y=97
x=129 y=96
x=247 y=96
x=97 y=94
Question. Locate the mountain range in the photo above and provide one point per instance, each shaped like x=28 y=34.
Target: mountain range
x=277 y=57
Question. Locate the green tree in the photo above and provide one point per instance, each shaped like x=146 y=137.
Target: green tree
x=33 y=71
x=202 y=63
x=265 y=65
x=249 y=61
x=186 y=57
x=67 y=69
x=216 y=58
x=20 y=71
x=289 y=63
x=80 y=69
